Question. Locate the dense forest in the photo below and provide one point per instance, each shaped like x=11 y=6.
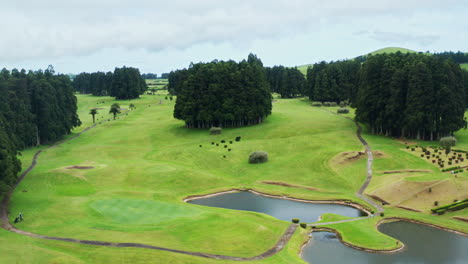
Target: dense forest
x=35 y=108
x=288 y=82
x=123 y=83
x=223 y=93
x=147 y=76
x=411 y=95
x=333 y=82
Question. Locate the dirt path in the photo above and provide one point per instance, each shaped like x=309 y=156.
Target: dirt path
x=5 y=222
x=370 y=160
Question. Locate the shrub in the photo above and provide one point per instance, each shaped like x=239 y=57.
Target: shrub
x=238 y=138
x=327 y=104
x=317 y=104
x=223 y=141
x=295 y=220
x=344 y=103
x=229 y=149
x=212 y=143
x=217 y=144
x=407 y=147
x=382 y=214
x=225 y=146
x=436 y=203
x=216 y=131
x=258 y=157
x=449 y=163
x=303 y=225
x=343 y=111
x=200 y=146
x=230 y=142
x=333 y=104
x=428 y=152
x=422 y=155
x=412 y=149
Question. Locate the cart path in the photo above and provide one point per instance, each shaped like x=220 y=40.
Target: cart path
x=5 y=222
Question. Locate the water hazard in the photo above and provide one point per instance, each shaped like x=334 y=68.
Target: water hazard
x=278 y=208
x=423 y=245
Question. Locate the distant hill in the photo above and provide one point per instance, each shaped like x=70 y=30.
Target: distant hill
x=303 y=68
x=391 y=50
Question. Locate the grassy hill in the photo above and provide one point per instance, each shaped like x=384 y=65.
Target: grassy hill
x=303 y=68
x=391 y=50
x=464 y=66
x=145 y=163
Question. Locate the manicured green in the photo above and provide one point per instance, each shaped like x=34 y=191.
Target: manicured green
x=145 y=163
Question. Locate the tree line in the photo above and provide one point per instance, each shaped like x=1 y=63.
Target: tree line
x=35 y=108
x=332 y=82
x=288 y=82
x=123 y=83
x=411 y=95
x=222 y=93
x=147 y=76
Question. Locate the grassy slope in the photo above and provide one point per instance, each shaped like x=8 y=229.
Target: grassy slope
x=303 y=68
x=146 y=162
x=464 y=66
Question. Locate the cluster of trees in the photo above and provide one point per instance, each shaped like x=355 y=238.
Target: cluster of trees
x=288 y=82
x=411 y=95
x=35 y=108
x=223 y=94
x=333 y=82
x=96 y=83
x=123 y=83
x=164 y=75
x=147 y=76
x=458 y=57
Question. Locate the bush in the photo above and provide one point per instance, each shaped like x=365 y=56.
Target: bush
x=216 y=131
x=344 y=103
x=223 y=141
x=318 y=104
x=229 y=149
x=258 y=157
x=333 y=104
x=343 y=111
x=327 y=104
x=436 y=203
x=412 y=149
x=238 y=138
x=200 y=146
x=303 y=225
x=382 y=214
x=295 y=220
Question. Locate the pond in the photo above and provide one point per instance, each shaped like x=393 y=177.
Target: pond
x=278 y=208
x=423 y=245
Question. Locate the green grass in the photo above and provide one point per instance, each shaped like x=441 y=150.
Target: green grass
x=464 y=66
x=389 y=50
x=146 y=162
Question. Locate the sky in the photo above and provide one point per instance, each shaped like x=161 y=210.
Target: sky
x=160 y=36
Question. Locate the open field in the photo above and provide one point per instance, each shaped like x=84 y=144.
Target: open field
x=464 y=66
x=145 y=163
x=157 y=84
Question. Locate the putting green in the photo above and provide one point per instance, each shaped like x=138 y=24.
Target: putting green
x=141 y=212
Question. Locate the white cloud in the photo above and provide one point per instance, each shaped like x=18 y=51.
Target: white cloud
x=48 y=30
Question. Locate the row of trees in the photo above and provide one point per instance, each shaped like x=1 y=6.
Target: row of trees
x=35 y=108
x=223 y=94
x=149 y=76
x=333 y=82
x=411 y=95
x=288 y=82
x=123 y=83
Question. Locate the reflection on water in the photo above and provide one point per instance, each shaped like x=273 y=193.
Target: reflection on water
x=279 y=208
x=423 y=245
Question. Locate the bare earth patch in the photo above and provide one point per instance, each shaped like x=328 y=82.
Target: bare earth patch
x=408 y=209
x=404 y=171
x=351 y=156
x=460 y=218
x=79 y=167
x=405 y=141
x=290 y=185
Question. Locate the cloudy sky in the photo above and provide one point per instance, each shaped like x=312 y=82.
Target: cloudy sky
x=158 y=36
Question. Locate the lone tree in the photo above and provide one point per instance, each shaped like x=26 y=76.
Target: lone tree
x=115 y=109
x=132 y=106
x=448 y=143
x=93 y=112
